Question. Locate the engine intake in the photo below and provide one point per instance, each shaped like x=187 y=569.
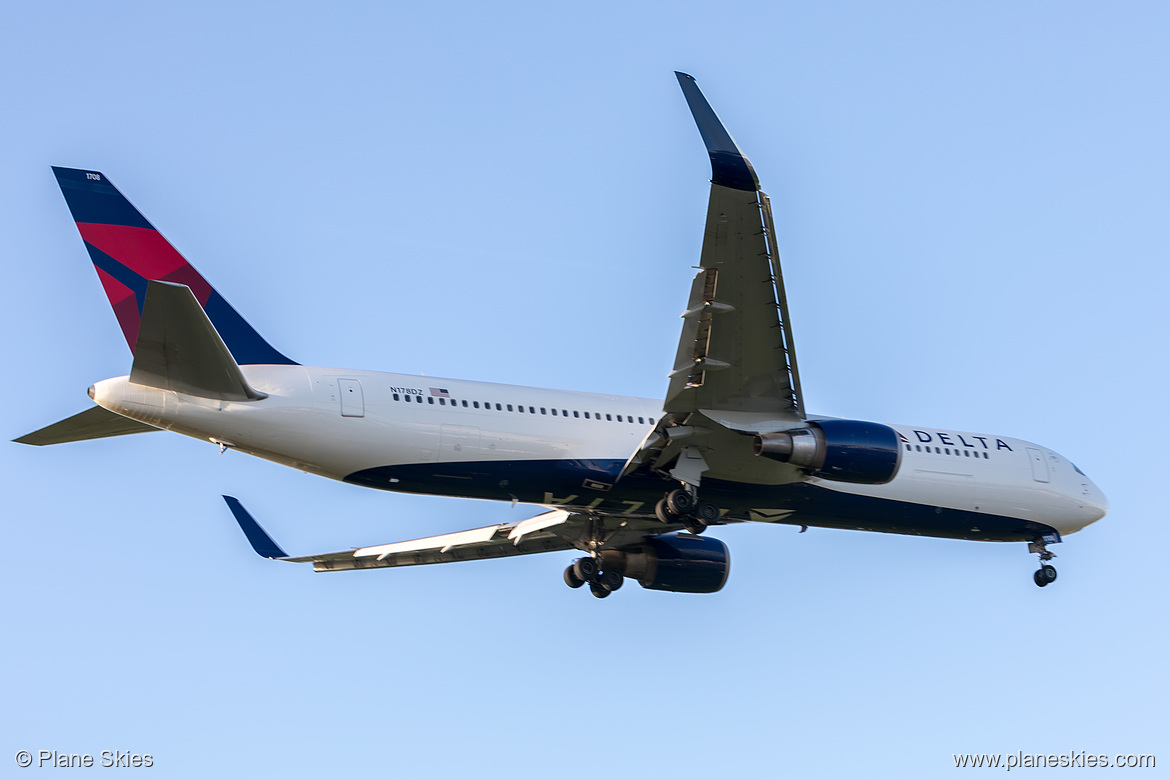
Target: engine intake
x=863 y=453
x=682 y=564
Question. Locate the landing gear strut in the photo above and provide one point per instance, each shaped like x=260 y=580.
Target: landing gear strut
x=1046 y=574
x=681 y=506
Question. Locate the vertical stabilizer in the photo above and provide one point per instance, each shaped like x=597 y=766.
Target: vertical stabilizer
x=128 y=252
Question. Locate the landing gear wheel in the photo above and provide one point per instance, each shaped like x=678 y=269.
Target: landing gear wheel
x=586 y=569
x=680 y=502
x=663 y=513
x=707 y=512
x=611 y=580
x=599 y=590
x=694 y=525
x=571 y=578
x=1044 y=575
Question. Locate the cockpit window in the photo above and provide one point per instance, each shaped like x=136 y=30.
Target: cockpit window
x=1077 y=470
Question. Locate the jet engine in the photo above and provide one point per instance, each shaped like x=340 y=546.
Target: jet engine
x=678 y=563
x=863 y=453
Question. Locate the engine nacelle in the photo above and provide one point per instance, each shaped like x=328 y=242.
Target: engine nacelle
x=682 y=564
x=863 y=453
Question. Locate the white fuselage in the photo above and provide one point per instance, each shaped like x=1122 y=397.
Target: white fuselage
x=485 y=440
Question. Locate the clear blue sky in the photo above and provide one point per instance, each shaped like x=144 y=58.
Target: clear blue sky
x=971 y=202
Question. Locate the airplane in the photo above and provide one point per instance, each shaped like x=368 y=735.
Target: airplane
x=632 y=483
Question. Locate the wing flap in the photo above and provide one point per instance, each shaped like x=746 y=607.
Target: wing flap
x=494 y=541
x=501 y=548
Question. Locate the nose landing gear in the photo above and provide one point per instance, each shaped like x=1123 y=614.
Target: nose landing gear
x=1046 y=574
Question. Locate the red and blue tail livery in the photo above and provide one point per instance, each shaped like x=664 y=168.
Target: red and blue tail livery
x=128 y=252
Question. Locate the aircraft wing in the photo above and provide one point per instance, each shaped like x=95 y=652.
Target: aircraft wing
x=544 y=533
x=735 y=372
x=736 y=363
x=551 y=531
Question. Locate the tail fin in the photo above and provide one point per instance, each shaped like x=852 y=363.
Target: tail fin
x=128 y=252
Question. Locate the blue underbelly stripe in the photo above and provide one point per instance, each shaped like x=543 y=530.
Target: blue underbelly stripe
x=590 y=484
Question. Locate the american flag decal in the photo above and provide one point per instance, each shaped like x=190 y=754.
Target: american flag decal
x=438 y=392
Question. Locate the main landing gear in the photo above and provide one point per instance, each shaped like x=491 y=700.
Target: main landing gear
x=681 y=506
x=1046 y=574
x=601 y=582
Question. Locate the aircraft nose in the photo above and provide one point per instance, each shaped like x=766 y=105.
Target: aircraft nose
x=1094 y=502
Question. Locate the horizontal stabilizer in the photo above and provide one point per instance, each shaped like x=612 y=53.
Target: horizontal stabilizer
x=95 y=423
x=179 y=349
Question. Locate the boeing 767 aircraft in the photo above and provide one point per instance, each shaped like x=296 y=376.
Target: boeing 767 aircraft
x=633 y=483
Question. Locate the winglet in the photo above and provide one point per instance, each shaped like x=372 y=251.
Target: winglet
x=261 y=542
x=729 y=166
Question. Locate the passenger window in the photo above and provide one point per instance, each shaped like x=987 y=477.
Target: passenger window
x=564 y=412
x=586 y=415
x=543 y=410
x=464 y=404
x=418 y=398
x=509 y=407
x=396 y=396
x=475 y=404
x=431 y=400
x=520 y=409
x=499 y=408
x=576 y=414
x=554 y=412
x=609 y=417
x=442 y=402
x=907 y=448
x=531 y=410
x=619 y=418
